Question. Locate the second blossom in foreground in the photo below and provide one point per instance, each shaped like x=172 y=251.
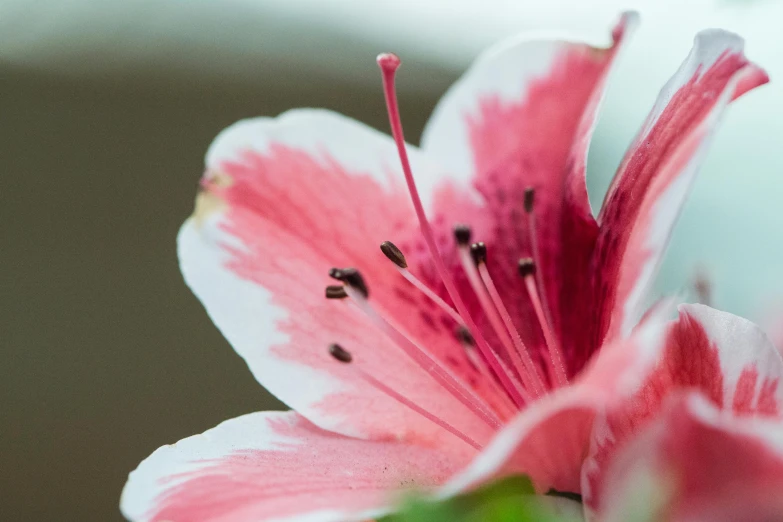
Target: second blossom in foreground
x=702 y=438
x=487 y=332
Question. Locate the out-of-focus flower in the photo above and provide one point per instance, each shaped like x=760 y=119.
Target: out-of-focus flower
x=695 y=463
x=527 y=333
x=691 y=458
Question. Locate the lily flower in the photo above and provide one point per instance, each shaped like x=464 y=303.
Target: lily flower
x=701 y=439
x=489 y=329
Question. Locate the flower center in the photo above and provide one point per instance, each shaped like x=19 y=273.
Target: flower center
x=517 y=383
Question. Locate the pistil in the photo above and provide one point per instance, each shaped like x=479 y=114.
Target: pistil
x=389 y=63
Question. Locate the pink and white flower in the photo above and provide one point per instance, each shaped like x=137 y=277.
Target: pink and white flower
x=698 y=463
x=736 y=374
x=463 y=362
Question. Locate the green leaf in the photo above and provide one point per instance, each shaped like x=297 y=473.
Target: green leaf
x=511 y=499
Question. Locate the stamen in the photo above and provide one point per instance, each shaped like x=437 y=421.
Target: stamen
x=463 y=335
x=335 y=292
x=344 y=356
x=340 y=353
x=389 y=63
x=352 y=278
x=530 y=199
x=469 y=345
x=462 y=234
x=427 y=363
x=529 y=205
x=395 y=254
x=478 y=251
x=521 y=350
x=527 y=269
x=467 y=256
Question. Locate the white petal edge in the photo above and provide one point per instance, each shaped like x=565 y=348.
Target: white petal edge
x=504 y=70
x=708 y=47
x=241 y=310
x=740 y=342
x=247 y=432
x=352 y=144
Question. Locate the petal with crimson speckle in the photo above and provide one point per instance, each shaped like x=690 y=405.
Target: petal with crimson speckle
x=522 y=117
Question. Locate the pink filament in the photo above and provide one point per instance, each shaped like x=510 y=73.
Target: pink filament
x=494 y=319
x=388 y=63
x=435 y=298
x=372 y=381
x=531 y=224
x=555 y=352
x=521 y=350
x=427 y=363
x=507 y=407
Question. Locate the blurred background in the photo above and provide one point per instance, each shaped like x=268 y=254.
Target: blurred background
x=107 y=108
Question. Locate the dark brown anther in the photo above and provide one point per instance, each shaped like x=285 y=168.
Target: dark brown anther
x=462 y=234
x=464 y=336
x=526 y=266
x=394 y=254
x=354 y=279
x=336 y=292
x=336 y=273
x=530 y=199
x=340 y=353
x=479 y=252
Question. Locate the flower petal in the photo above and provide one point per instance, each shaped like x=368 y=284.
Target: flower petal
x=729 y=359
x=696 y=463
x=650 y=187
x=522 y=117
x=283 y=201
x=278 y=466
x=549 y=440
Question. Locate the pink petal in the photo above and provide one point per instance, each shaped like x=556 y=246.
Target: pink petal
x=649 y=189
x=274 y=466
x=285 y=200
x=727 y=358
x=521 y=117
x=695 y=463
x=549 y=440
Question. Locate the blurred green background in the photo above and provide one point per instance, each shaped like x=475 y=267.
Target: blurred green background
x=107 y=110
